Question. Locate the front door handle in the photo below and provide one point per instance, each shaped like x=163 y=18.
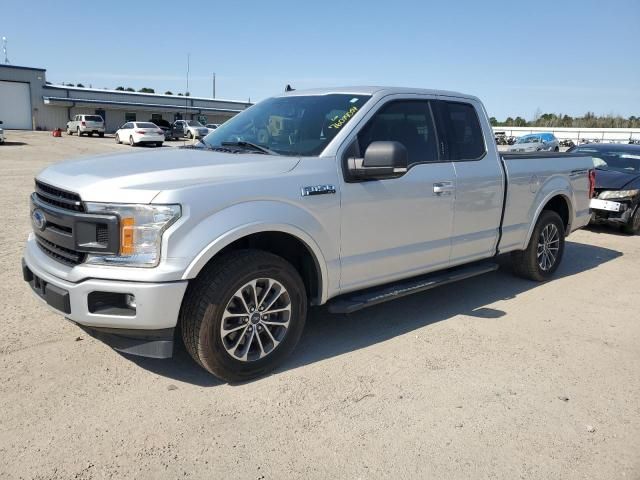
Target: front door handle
x=442 y=188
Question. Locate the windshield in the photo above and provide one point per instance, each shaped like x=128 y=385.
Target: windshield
x=194 y=123
x=620 y=161
x=295 y=125
x=529 y=139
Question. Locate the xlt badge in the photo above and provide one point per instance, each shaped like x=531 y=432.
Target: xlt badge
x=318 y=190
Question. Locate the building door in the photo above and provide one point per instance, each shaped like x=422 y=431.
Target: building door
x=102 y=113
x=15 y=105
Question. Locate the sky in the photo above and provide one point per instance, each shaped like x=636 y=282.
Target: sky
x=557 y=56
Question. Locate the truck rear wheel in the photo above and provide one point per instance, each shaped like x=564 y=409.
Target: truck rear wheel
x=244 y=314
x=544 y=253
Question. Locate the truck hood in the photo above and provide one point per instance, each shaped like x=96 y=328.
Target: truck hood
x=138 y=177
x=616 y=180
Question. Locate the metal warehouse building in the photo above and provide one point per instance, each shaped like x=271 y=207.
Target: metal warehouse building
x=27 y=102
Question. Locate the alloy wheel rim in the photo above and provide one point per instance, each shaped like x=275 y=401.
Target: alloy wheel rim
x=548 y=247
x=256 y=320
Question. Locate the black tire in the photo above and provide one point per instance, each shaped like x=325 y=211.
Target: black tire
x=207 y=299
x=118 y=139
x=69 y=132
x=79 y=132
x=131 y=142
x=632 y=227
x=90 y=134
x=101 y=134
x=159 y=144
x=527 y=263
x=557 y=149
x=189 y=136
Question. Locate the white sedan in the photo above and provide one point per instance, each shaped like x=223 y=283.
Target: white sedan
x=212 y=126
x=140 y=133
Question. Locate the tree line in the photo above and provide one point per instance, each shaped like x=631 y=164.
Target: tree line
x=588 y=120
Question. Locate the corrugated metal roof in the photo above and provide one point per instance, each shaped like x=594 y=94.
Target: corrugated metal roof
x=4 y=65
x=157 y=95
x=157 y=106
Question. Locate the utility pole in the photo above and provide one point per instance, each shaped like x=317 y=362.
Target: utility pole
x=4 y=47
x=214 y=84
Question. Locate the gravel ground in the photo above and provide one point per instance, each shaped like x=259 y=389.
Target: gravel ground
x=493 y=377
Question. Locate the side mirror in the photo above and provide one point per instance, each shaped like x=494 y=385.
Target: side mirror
x=381 y=160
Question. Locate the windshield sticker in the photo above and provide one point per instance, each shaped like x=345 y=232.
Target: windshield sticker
x=338 y=122
x=354 y=100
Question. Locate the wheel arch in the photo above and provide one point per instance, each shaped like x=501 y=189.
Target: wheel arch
x=286 y=241
x=559 y=202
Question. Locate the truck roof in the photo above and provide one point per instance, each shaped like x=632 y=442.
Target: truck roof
x=371 y=90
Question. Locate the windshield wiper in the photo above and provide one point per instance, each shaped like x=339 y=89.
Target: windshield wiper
x=242 y=143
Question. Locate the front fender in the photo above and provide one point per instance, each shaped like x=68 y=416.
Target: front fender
x=224 y=227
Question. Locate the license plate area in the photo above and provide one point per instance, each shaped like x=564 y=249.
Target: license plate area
x=55 y=297
x=598 y=204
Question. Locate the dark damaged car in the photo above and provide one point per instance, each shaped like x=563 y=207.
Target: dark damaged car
x=617 y=195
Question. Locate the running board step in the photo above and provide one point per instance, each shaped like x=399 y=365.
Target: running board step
x=349 y=303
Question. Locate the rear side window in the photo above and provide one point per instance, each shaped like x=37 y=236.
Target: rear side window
x=459 y=130
x=93 y=118
x=407 y=122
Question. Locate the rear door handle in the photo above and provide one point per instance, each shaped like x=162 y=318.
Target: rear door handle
x=442 y=188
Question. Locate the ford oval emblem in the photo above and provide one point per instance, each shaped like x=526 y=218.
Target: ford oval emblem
x=38 y=218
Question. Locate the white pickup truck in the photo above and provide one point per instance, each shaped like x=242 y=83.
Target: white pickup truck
x=347 y=197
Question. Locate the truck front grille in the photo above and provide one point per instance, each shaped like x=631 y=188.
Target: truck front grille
x=58 y=197
x=58 y=250
x=61 y=254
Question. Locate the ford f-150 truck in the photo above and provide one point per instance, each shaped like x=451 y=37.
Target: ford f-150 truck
x=347 y=197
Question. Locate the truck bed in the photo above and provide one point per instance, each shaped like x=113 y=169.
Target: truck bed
x=530 y=179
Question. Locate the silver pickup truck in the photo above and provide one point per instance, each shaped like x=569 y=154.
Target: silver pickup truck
x=347 y=197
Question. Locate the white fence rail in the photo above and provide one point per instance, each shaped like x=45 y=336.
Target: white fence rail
x=619 y=135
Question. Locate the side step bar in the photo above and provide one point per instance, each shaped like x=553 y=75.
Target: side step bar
x=352 y=302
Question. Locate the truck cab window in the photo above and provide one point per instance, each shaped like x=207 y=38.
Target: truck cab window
x=459 y=127
x=408 y=122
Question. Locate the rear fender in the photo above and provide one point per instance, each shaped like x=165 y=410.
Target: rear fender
x=556 y=185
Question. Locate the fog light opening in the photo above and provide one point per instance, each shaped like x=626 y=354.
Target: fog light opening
x=130 y=300
x=112 y=303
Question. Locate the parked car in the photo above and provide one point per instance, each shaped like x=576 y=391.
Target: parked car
x=617 y=200
x=212 y=126
x=344 y=197
x=2 y=138
x=140 y=133
x=500 y=138
x=88 y=124
x=536 y=142
x=192 y=128
x=171 y=131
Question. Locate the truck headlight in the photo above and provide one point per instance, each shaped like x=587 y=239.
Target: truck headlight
x=141 y=228
x=612 y=194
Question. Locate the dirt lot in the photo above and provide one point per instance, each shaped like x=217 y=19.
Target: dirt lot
x=494 y=377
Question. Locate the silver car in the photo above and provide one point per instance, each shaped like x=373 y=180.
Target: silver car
x=536 y=142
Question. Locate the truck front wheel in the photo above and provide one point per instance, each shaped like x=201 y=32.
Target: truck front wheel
x=543 y=255
x=244 y=314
